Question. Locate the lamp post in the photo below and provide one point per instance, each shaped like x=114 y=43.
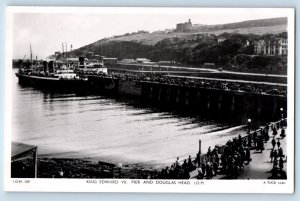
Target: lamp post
x=120 y=167
x=282 y=119
x=249 y=125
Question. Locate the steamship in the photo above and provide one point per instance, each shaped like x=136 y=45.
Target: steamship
x=52 y=74
x=52 y=77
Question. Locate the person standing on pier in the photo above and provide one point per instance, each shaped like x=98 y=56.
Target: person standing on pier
x=260 y=144
x=198 y=159
x=275 y=154
x=190 y=164
x=200 y=173
x=280 y=152
x=282 y=134
x=280 y=164
x=273 y=142
x=177 y=163
x=208 y=151
x=272 y=154
x=275 y=169
x=203 y=167
x=267 y=128
x=209 y=171
x=278 y=143
x=240 y=140
x=215 y=168
x=255 y=139
x=249 y=140
x=265 y=133
x=248 y=157
x=274 y=131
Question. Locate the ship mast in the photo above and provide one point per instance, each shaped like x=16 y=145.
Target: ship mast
x=67 y=55
x=31 y=66
x=63 y=49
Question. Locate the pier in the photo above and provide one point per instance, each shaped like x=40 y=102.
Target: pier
x=202 y=96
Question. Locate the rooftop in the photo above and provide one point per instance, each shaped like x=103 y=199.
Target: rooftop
x=18 y=148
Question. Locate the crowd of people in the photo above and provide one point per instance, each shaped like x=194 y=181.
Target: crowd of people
x=229 y=160
x=208 y=84
x=277 y=155
x=177 y=170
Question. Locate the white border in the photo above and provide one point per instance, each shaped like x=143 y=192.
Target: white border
x=205 y=186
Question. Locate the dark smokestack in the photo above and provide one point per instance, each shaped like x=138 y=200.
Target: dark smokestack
x=81 y=61
x=45 y=65
x=51 y=67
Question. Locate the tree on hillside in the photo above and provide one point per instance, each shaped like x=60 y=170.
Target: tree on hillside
x=203 y=44
x=259 y=62
x=163 y=43
x=247 y=50
x=241 y=59
x=231 y=46
x=282 y=35
x=241 y=37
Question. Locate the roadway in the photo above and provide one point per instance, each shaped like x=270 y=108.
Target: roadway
x=208 y=70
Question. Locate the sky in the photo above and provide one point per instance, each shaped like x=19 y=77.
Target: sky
x=46 y=31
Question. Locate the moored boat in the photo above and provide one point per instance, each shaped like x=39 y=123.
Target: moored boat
x=51 y=76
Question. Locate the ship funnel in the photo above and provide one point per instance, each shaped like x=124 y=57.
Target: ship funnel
x=51 y=67
x=45 y=65
x=81 y=62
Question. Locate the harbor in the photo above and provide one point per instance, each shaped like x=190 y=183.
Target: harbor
x=150 y=94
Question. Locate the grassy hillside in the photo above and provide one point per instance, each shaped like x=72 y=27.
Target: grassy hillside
x=198 y=46
x=259 y=27
x=248 y=24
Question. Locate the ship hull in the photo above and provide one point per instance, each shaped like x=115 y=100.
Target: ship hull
x=103 y=84
x=53 y=84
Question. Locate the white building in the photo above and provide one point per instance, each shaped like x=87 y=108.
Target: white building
x=274 y=46
x=142 y=60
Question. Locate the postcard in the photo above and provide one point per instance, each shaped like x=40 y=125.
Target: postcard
x=144 y=99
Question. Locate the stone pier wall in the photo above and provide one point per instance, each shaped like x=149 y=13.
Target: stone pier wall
x=214 y=102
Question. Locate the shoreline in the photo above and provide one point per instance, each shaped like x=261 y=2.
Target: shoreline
x=88 y=168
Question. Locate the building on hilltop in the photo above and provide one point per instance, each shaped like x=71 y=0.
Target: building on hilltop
x=272 y=46
x=184 y=27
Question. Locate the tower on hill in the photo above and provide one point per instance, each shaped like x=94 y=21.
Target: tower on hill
x=184 y=27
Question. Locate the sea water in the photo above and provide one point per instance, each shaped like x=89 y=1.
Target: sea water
x=102 y=128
